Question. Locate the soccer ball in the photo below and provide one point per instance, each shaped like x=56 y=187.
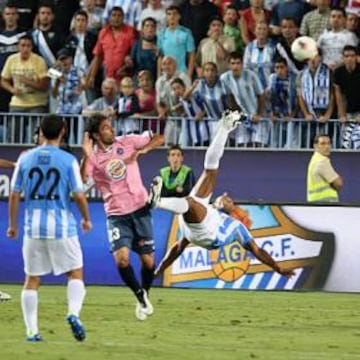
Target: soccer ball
x=304 y=48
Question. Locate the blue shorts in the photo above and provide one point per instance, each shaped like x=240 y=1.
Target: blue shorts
x=133 y=231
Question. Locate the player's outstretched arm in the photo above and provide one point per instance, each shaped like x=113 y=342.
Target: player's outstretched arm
x=171 y=255
x=265 y=258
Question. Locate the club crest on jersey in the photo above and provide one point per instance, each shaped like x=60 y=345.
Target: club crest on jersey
x=116 y=169
x=120 y=151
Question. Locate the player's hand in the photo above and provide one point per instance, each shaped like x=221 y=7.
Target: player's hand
x=12 y=232
x=87 y=145
x=157 y=271
x=287 y=272
x=86 y=225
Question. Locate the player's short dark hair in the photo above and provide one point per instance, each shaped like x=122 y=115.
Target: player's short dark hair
x=175 y=147
x=339 y=9
x=47 y=4
x=211 y=63
x=93 y=125
x=51 y=126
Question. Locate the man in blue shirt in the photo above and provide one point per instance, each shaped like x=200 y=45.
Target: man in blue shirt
x=48 y=175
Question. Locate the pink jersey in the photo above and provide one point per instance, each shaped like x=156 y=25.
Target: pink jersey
x=119 y=182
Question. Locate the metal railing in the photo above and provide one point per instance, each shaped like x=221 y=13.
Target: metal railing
x=17 y=129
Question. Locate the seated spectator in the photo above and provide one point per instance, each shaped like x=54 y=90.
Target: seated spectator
x=178 y=179
x=259 y=54
x=108 y=103
x=195 y=130
x=250 y=17
x=128 y=105
x=144 y=52
x=283 y=100
x=232 y=27
x=216 y=47
x=156 y=10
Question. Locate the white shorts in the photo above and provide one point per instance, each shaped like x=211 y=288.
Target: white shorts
x=202 y=234
x=57 y=256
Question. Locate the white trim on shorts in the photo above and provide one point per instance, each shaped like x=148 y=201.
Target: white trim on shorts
x=46 y=256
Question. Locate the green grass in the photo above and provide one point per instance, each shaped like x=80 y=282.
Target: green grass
x=189 y=324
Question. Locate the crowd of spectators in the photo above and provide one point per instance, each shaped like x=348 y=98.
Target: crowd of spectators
x=187 y=59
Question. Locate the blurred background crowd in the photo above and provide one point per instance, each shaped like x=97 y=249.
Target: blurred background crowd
x=175 y=65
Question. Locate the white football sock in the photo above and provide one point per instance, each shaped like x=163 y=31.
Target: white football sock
x=75 y=294
x=29 y=306
x=176 y=205
x=216 y=149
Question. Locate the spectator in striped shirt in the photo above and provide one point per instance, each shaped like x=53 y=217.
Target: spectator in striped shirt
x=132 y=10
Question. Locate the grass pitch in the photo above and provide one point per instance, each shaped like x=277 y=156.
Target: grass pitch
x=188 y=324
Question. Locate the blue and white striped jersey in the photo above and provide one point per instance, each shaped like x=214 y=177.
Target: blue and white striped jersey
x=246 y=89
x=132 y=10
x=47 y=175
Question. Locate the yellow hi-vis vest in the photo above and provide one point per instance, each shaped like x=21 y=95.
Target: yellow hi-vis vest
x=319 y=190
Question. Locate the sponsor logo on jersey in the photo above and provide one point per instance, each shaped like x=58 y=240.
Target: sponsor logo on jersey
x=116 y=169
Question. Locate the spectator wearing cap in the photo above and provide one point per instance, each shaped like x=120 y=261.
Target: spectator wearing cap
x=113 y=45
x=68 y=88
x=216 y=47
x=196 y=16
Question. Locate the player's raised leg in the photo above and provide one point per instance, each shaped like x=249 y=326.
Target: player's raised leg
x=193 y=210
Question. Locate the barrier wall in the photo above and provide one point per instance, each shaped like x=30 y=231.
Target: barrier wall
x=269 y=176
x=320 y=242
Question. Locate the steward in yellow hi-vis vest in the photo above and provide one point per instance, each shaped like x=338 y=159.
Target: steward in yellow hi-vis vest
x=323 y=182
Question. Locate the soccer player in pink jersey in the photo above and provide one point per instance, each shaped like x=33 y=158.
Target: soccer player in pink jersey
x=111 y=163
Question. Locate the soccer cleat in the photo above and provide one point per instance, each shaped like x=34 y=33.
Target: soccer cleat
x=34 y=338
x=155 y=191
x=4 y=296
x=148 y=309
x=77 y=327
x=231 y=119
x=139 y=312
